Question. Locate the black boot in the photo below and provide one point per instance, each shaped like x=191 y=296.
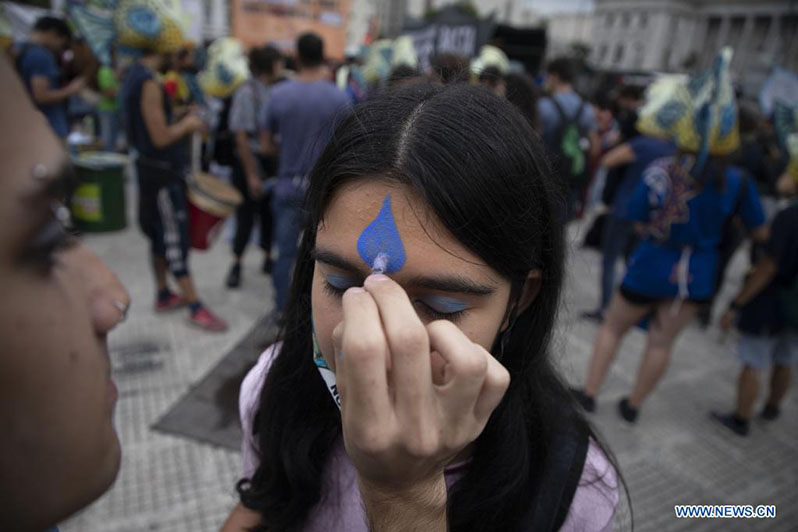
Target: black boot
x=770 y=412
x=732 y=422
x=587 y=402
x=234 y=276
x=627 y=411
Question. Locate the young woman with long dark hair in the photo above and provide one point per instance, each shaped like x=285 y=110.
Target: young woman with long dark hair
x=425 y=292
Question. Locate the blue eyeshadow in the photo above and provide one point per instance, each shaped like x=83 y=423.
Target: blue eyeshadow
x=341 y=282
x=444 y=305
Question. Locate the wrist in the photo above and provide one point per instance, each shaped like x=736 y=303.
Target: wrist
x=423 y=501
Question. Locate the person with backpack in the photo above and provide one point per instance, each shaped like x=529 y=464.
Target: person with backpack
x=569 y=132
x=38 y=63
x=681 y=204
x=766 y=315
x=250 y=168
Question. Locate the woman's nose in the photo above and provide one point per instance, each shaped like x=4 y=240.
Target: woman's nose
x=108 y=299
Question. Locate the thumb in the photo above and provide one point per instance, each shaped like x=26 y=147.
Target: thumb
x=337 y=336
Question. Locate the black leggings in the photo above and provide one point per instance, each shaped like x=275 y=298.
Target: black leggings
x=246 y=212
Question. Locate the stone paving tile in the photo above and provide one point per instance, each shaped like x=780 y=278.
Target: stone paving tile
x=673 y=455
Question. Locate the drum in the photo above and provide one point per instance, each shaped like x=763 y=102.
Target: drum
x=210 y=201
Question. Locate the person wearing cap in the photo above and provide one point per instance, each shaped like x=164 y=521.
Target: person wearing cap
x=38 y=63
x=161 y=159
x=681 y=205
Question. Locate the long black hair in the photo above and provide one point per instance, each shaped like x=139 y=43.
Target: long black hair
x=471 y=156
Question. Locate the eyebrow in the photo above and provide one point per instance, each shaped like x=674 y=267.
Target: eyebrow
x=446 y=283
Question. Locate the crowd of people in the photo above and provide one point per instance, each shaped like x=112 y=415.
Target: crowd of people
x=414 y=231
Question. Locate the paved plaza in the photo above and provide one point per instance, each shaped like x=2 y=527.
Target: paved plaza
x=674 y=454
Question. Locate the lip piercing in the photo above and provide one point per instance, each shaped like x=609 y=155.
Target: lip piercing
x=122 y=308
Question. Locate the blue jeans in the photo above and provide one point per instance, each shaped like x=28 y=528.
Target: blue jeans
x=614 y=242
x=287 y=220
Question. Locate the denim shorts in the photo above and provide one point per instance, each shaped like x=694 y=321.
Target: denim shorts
x=759 y=352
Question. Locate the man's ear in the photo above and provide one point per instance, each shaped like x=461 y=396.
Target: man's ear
x=529 y=292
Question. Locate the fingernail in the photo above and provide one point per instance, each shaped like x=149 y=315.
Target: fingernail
x=355 y=289
x=378 y=277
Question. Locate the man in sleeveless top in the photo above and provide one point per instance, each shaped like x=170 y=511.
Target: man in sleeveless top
x=161 y=165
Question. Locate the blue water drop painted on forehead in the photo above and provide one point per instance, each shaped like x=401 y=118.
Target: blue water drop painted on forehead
x=381 y=238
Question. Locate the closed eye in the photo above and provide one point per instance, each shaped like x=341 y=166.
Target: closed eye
x=424 y=310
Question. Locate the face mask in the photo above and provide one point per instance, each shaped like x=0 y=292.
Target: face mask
x=325 y=371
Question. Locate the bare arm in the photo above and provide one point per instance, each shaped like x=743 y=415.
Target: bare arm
x=595 y=145
x=241 y=519
x=161 y=133
x=110 y=92
x=618 y=156
x=268 y=146
x=247 y=160
x=764 y=272
x=43 y=94
x=787 y=185
x=761 y=234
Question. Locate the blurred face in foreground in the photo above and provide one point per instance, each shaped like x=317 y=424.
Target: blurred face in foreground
x=59 y=450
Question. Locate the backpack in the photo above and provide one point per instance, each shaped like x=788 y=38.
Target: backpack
x=571 y=147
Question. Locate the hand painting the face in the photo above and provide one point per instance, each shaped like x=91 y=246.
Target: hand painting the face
x=402 y=426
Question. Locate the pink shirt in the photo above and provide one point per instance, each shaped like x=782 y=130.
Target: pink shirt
x=592 y=509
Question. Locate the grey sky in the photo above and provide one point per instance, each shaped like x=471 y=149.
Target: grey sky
x=558 y=6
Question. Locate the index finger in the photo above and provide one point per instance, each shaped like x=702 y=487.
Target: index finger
x=408 y=344
x=360 y=365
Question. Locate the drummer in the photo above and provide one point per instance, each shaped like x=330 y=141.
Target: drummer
x=161 y=166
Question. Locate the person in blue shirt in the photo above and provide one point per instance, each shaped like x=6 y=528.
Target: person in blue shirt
x=636 y=154
x=38 y=65
x=681 y=206
x=300 y=113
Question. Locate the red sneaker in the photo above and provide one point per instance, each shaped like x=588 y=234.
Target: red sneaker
x=172 y=302
x=205 y=319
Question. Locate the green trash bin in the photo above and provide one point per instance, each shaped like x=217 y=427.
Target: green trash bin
x=98 y=202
